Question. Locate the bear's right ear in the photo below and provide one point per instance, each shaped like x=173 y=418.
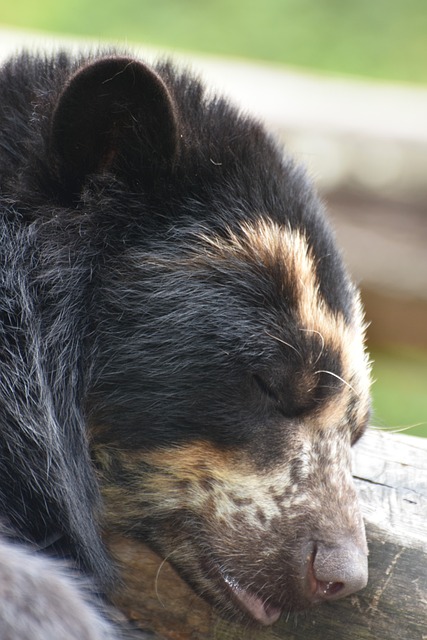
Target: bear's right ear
x=114 y=114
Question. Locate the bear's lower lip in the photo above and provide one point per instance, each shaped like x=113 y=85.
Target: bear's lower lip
x=261 y=611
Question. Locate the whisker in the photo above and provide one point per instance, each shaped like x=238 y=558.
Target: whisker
x=398 y=429
x=323 y=342
x=156 y=580
x=285 y=343
x=335 y=375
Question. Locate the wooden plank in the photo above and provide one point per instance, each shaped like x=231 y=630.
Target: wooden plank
x=391 y=475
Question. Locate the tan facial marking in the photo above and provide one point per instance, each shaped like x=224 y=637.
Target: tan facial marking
x=222 y=484
x=268 y=243
x=197 y=476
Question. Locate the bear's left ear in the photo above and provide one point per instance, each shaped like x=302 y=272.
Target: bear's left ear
x=114 y=114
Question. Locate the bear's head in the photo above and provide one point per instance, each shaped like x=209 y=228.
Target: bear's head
x=230 y=378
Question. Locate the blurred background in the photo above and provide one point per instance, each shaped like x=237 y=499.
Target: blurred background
x=344 y=84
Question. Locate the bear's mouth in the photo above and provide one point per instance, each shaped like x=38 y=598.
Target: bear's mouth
x=257 y=602
x=258 y=608
x=246 y=602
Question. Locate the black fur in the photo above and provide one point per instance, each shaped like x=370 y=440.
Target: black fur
x=115 y=319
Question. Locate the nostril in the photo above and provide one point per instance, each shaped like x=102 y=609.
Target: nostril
x=327 y=589
x=335 y=571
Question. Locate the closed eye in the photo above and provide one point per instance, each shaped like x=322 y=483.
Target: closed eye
x=264 y=387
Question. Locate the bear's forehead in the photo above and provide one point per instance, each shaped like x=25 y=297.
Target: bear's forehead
x=276 y=328
x=277 y=267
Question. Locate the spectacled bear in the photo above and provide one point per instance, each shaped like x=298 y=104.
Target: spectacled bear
x=182 y=349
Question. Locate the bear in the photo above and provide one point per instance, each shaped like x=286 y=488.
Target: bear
x=183 y=353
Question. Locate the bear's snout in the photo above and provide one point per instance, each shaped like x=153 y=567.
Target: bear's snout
x=328 y=572
x=335 y=570
x=257 y=544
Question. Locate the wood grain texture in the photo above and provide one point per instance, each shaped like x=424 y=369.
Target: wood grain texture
x=391 y=476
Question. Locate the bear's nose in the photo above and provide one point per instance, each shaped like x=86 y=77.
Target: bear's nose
x=336 y=570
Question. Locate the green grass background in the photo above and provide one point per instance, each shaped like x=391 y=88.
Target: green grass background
x=378 y=38
x=382 y=39
x=400 y=390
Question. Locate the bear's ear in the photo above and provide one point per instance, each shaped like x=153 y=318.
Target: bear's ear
x=114 y=114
